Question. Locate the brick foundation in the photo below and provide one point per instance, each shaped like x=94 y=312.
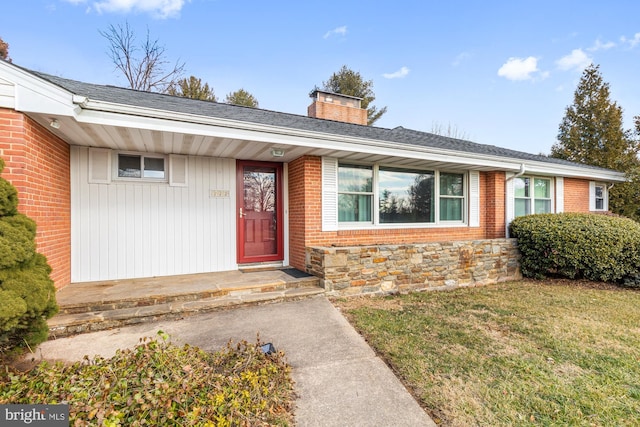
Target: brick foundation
x=400 y=268
x=37 y=164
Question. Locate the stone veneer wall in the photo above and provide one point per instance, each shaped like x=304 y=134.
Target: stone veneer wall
x=400 y=268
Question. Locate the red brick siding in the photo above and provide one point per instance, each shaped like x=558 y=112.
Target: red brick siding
x=493 y=199
x=305 y=216
x=576 y=195
x=37 y=164
x=341 y=113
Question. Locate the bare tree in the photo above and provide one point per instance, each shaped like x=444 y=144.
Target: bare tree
x=147 y=72
x=450 y=130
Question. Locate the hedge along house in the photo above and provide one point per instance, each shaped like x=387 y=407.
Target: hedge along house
x=126 y=184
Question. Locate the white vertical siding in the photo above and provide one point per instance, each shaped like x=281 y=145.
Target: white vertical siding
x=131 y=229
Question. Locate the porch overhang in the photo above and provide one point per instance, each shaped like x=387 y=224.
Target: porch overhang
x=105 y=124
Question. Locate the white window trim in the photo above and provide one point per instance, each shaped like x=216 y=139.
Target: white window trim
x=552 y=192
x=329 y=206
x=115 y=161
x=559 y=194
x=99 y=165
x=592 y=196
x=375 y=224
x=178 y=168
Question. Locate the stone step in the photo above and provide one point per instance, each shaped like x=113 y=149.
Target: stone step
x=65 y=324
x=175 y=296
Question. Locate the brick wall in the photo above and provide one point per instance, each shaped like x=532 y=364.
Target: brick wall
x=37 y=164
x=337 y=112
x=576 y=195
x=305 y=216
x=493 y=201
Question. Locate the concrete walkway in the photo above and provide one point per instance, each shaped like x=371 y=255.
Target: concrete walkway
x=339 y=379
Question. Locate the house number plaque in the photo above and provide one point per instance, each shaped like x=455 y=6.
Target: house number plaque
x=217 y=194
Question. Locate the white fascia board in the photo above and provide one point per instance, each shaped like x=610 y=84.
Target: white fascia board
x=166 y=121
x=35 y=95
x=570 y=171
x=110 y=114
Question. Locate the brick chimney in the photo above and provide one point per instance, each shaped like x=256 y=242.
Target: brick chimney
x=334 y=106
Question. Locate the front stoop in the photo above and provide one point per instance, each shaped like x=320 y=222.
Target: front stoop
x=76 y=318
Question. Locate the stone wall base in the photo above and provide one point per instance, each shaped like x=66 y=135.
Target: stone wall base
x=356 y=270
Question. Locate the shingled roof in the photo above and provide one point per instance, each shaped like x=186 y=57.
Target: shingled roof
x=400 y=135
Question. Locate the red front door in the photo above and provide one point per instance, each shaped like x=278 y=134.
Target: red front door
x=259 y=200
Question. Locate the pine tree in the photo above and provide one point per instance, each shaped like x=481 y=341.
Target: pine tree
x=241 y=97
x=27 y=293
x=592 y=133
x=192 y=88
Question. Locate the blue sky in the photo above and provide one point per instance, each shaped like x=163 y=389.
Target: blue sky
x=500 y=72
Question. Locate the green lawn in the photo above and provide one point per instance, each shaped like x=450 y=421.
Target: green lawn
x=522 y=353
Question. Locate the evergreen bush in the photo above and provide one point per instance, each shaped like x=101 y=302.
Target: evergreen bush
x=579 y=246
x=27 y=293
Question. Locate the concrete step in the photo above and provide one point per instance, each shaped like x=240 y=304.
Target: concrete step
x=129 y=312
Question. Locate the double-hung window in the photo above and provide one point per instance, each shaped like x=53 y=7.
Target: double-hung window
x=383 y=195
x=598 y=197
x=355 y=193
x=532 y=195
x=451 y=196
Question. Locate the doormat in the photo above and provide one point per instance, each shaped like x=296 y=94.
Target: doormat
x=295 y=273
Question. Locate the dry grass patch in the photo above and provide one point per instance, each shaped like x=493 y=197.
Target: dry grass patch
x=523 y=353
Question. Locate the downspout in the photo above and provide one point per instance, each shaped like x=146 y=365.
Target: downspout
x=523 y=169
x=607 y=195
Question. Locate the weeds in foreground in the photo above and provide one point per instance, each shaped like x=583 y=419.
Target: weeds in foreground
x=159 y=383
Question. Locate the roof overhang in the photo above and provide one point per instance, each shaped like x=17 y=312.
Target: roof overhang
x=96 y=123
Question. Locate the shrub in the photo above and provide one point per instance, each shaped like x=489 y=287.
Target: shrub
x=159 y=383
x=27 y=293
x=573 y=245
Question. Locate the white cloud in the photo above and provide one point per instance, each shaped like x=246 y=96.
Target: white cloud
x=598 y=45
x=460 y=58
x=520 y=69
x=158 y=8
x=340 y=31
x=633 y=42
x=402 y=72
x=576 y=60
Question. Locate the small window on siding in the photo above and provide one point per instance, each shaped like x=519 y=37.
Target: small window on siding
x=138 y=166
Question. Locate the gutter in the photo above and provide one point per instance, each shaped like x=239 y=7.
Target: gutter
x=520 y=173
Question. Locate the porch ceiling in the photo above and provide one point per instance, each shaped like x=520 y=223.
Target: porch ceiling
x=155 y=141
